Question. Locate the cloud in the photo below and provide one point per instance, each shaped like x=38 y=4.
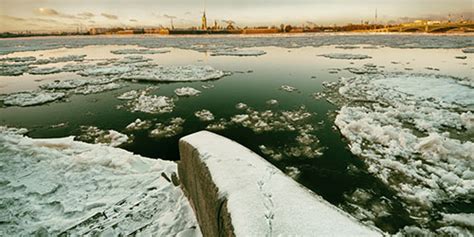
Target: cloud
x=86 y=15
x=11 y=18
x=133 y=20
x=109 y=16
x=53 y=13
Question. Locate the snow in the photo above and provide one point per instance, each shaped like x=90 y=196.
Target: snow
x=140 y=51
x=173 y=73
x=110 y=137
x=238 y=52
x=204 y=115
x=32 y=98
x=171 y=129
x=413 y=133
x=263 y=201
x=73 y=188
x=152 y=104
x=186 y=91
x=345 y=56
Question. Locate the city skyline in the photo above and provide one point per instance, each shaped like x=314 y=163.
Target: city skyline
x=55 y=15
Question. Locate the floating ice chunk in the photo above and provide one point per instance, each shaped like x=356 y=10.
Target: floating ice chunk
x=105 y=70
x=345 y=56
x=238 y=52
x=129 y=95
x=92 y=89
x=138 y=124
x=288 y=88
x=204 y=115
x=66 y=84
x=444 y=89
x=460 y=57
x=173 y=128
x=73 y=188
x=467 y=120
x=272 y=102
x=13 y=131
x=133 y=60
x=67 y=58
x=186 y=91
x=241 y=106
x=207 y=86
x=174 y=73
x=152 y=104
x=32 y=98
x=347 y=47
x=221 y=124
x=292 y=171
x=97 y=136
x=18 y=59
x=44 y=70
x=463 y=219
x=468 y=50
x=140 y=51
x=12 y=69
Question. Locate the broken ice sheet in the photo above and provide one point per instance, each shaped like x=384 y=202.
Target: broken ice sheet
x=140 y=51
x=173 y=73
x=204 y=115
x=32 y=98
x=186 y=91
x=139 y=124
x=95 y=135
x=151 y=104
x=238 y=52
x=288 y=88
x=170 y=129
x=345 y=56
x=412 y=131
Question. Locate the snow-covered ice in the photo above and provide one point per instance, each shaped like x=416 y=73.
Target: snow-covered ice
x=73 y=188
x=44 y=70
x=288 y=88
x=140 y=51
x=32 y=98
x=204 y=115
x=238 y=52
x=345 y=56
x=139 y=124
x=152 y=104
x=412 y=131
x=173 y=73
x=170 y=129
x=92 y=89
x=186 y=91
x=107 y=137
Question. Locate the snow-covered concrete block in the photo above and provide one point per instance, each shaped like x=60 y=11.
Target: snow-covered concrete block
x=235 y=192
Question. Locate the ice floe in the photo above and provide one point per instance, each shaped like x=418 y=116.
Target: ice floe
x=186 y=91
x=139 y=124
x=140 y=51
x=96 y=88
x=95 y=135
x=238 y=52
x=412 y=130
x=170 y=129
x=288 y=88
x=44 y=70
x=32 y=98
x=67 y=58
x=345 y=56
x=73 y=188
x=12 y=69
x=272 y=102
x=152 y=104
x=468 y=50
x=173 y=73
x=204 y=115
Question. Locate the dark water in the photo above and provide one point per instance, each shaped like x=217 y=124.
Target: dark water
x=334 y=174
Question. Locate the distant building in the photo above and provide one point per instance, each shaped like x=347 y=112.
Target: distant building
x=204 y=21
x=97 y=31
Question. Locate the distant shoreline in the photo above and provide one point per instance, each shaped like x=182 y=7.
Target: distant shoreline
x=348 y=33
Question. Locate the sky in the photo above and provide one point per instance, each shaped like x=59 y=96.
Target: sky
x=69 y=15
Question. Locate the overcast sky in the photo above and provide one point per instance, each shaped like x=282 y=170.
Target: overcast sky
x=47 y=15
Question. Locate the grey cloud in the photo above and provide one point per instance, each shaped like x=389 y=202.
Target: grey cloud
x=109 y=16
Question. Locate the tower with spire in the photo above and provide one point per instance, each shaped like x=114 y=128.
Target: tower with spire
x=204 y=21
